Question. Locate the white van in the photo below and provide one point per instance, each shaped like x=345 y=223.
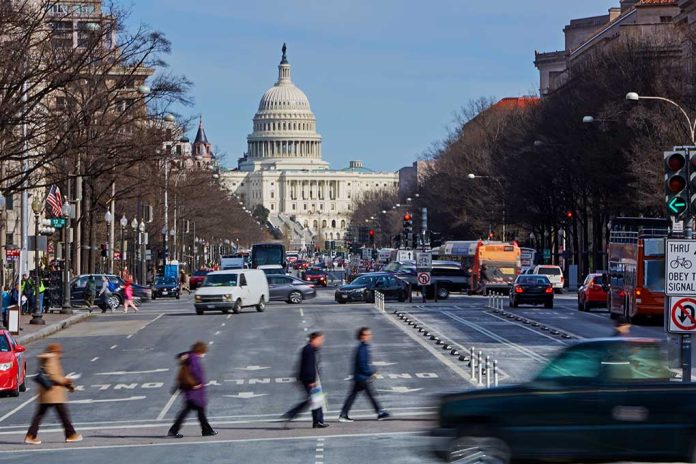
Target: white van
x=554 y=273
x=232 y=290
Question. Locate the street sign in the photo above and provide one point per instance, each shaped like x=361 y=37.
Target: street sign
x=405 y=255
x=677 y=226
x=682 y=315
x=676 y=206
x=58 y=222
x=424 y=260
x=354 y=261
x=12 y=252
x=424 y=278
x=680 y=268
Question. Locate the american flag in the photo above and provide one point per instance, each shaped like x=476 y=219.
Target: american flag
x=54 y=202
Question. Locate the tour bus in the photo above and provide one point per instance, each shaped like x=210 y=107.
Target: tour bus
x=264 y=254
x=235 y=261
x=493 y=265
x=637 y=267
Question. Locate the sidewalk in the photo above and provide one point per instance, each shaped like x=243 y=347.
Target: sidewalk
x=54 y=322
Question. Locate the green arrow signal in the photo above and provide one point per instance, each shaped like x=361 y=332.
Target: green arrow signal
x=676 y=205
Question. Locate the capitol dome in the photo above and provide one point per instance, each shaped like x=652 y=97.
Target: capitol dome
x=284 y=126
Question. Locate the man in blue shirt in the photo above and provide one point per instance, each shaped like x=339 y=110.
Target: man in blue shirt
x=362 y=378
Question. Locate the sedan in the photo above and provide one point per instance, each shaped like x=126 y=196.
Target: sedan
x=531 y=289
x=300 y=265
x=13 y=365
x=289 y=289
x=196 y=280
x=316 y=276
x=593 y=293
x=165 y=286
x=364 y=287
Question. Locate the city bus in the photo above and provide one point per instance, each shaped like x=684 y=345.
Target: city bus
x=267 y=254
x=492 y=265
x=637 y=267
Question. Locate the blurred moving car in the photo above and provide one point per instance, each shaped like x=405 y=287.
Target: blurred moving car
x=554 y=273
x=600 y=400
x=165 y=287
x=592 y=293
x=197 y=278
x=289 y=289
x=300 y=265
x=317 y=276
x=13 y=365
x=531 y=289
x=363 y=288
x=448 y=276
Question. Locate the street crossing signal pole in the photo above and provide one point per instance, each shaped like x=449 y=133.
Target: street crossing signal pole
x=680 y=198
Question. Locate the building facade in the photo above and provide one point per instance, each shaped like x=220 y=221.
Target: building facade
x=284 y=172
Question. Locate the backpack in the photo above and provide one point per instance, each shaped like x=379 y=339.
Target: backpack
x=112 y=286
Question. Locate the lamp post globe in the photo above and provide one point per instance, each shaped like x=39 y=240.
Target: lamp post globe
x=124 y=221
x=632 y=96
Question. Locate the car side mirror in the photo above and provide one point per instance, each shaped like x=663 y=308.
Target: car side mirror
x=20 y=349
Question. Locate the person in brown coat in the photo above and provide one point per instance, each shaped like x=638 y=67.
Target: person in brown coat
x=56 y=396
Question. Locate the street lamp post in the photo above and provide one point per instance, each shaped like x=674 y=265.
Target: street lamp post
x=124 y=223
x=502 y=191
x=633 y=96
x=67 y=304
x=109 y=253
x=141 y=244
x=36 y=317
x=132 y=257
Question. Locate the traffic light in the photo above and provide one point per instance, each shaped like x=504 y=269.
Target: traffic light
x=676 y=187
x=372 y=238
x=569 y=214
x=408 y=231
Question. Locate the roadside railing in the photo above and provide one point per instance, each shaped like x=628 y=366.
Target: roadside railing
x=379 y=301
x=496 y=300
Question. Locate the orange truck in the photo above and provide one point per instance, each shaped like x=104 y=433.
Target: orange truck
x=492 y=265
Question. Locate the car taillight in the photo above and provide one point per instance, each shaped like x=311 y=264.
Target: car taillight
x=638 y=292
x=622 y=294
x=549 y=290
x=519 y=289
x=562 y=279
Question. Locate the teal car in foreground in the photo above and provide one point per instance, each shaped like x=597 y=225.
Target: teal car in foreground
x=598 y=400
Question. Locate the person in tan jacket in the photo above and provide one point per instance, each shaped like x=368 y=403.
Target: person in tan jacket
x=56 y=396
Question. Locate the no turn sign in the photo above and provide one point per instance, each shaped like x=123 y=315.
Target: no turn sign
x=682 y=315
x=424 y=278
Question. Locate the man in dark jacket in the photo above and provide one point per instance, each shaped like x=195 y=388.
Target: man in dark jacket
x=362 y=378
x=194 y=391
x=309 y=378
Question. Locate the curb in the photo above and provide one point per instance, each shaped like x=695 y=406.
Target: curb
x=52 y=328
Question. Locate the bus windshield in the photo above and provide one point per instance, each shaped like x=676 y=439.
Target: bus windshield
x=267 y=253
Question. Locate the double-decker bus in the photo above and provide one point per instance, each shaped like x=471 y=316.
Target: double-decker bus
x=637 y=267
x=267 y=254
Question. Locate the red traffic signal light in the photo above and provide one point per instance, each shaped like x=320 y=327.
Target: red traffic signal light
x=569 y=214
x=676 y=161
x=372 y=232
x=407 y=217
x=676 y=184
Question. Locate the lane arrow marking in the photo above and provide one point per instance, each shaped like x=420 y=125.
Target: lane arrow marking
x=245 y=395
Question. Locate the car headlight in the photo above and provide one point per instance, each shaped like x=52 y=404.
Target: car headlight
x=198 y=298
x=227 y=297
x=5 y=366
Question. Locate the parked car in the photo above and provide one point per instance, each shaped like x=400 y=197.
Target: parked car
x=141 y=293
x=300 y=265
x=592 y=293
x=531 y=289
x=232 y=290
x=603 y=400
x=363 y=288
x=316 y=276
x=78 y=287
x=13 y=365
x=554 y=273
x=289 y=289
x=165 y=287
x=197 y=278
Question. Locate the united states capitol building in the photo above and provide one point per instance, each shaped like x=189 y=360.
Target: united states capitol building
x=283 y=170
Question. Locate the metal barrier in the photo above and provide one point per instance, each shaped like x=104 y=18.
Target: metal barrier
x=379 y=301
x=496 y=300
x=483 y=371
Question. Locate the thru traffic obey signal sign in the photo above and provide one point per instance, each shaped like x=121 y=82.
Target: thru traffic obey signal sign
x=678 y=166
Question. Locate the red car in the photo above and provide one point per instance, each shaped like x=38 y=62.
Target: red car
x=196 y=280
x=592 y=294
x=300 y=265
x=13 y=365
x=317 y=276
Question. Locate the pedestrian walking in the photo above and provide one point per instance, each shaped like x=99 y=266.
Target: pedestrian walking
x=363 y=377
x=309 y=378
x=6 y=302
x=90 y=292
x=128 y=297
x=191 y=381
x=184 y=282
x=104 y=294
x=54 y=396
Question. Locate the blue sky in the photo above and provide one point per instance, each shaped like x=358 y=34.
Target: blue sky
x=384 y=77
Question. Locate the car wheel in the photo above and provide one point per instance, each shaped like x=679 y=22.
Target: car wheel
x=237 y=306
x=113 y=302
x=586 y=307
x=262 y=305
x=483 y=450
x=402 y=297
x=178 y=296
x=295 y=297
x=548 y=305
x=581 y=307
x=199 y=312
x=154 y=297
x=443 y=293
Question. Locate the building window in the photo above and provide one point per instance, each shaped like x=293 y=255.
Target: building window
x=665 y=19
x=272 y=207
x=315 y=224
x=305 y=206
x=333 y=207
x=9 y=239
x=323 y=223
x=343 y=224
x=272 y=194
x=321 y=206
x=294 y=206
x=333 y=223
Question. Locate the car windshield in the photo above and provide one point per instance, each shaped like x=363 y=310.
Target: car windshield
x=550 y=271
x=200 y=273
x=165 y=281
x=4 y=344
x=533 y=280
x=220 y=280
x=362 y=280
x=314 y=271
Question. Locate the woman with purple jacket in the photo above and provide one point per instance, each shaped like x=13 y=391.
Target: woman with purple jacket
x=194 y=390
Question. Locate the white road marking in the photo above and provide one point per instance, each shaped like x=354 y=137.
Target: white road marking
x=166 y=442
x=18 y=408
x=153 y=371
x=228 y=316
x=400 y=390
x=224 y=324
x=301 y=312
x=217 y=333
x=210 y=342
x=113 y=347
x=562 y=342
x=253 y=368
x=305 y=329
x=245 y=395
x=108 y=400
x=94 y=358
x=168 y=406
x=382 y=363
x=130 y=336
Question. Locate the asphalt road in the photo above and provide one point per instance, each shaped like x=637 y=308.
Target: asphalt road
x=124 y=405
